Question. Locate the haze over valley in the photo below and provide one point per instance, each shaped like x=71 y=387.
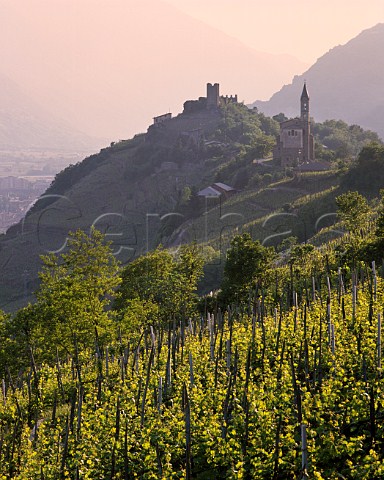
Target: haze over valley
x=108 y=67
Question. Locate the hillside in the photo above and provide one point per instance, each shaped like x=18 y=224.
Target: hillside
x=348 y=84
x=142 y=193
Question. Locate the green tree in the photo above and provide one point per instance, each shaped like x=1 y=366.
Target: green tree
x=354 y=213
x=247 y=263
x=374 y=245
x=19 y=334
x=367 y=175
x=280 y=117
x=185 y=195
x=304 y=259
x=343 y=139
x=371 y=156
x=352 y=210
x=380 y=218
x=136 y=316
x=76 y=290
x=166 y=280
x=5 y=343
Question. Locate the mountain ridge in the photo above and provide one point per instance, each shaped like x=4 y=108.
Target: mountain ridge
x=348 y=84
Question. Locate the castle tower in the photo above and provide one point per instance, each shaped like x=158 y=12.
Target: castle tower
x=304 y=113
x=213 y=96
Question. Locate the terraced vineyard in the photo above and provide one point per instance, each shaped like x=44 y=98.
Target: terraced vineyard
x=288 y=204
x=265 y=391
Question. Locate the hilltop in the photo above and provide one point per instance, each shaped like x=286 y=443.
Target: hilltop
x=348 y=83
x=143 y=192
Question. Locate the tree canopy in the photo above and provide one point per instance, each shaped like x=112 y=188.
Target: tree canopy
x=352 y=210
x=247 y=262
x=162 y=279
x=367 y=176
x=76 y=289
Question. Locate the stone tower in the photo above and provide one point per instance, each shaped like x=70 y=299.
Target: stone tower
x=304 y=114
x=295 y=145
x=213 y=96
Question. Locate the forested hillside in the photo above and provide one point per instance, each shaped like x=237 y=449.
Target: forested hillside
x=142 y=192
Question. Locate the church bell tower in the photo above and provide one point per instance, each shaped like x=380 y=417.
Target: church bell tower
x=304 y=104
x=304 y=110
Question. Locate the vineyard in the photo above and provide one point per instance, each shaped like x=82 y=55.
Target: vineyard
x=268 y=390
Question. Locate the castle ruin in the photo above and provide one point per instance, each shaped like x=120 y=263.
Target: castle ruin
x=198 y=117
x=212 y=101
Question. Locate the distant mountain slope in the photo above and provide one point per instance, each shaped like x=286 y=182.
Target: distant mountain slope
x=25 y=125
x=346 y=83
x=108 y=67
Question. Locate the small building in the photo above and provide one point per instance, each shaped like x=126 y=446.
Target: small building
x=217 y=190
x=295 y=144
x=209 y=192
x=162 y=118
x=223 y=188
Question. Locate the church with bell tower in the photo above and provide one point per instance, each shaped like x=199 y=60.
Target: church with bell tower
x=295 y=144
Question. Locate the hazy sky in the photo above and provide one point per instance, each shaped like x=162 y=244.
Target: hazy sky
x=109 y=66
x=304 y=28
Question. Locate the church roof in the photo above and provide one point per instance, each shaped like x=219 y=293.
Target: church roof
x=305 y=93
x=292 y=122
